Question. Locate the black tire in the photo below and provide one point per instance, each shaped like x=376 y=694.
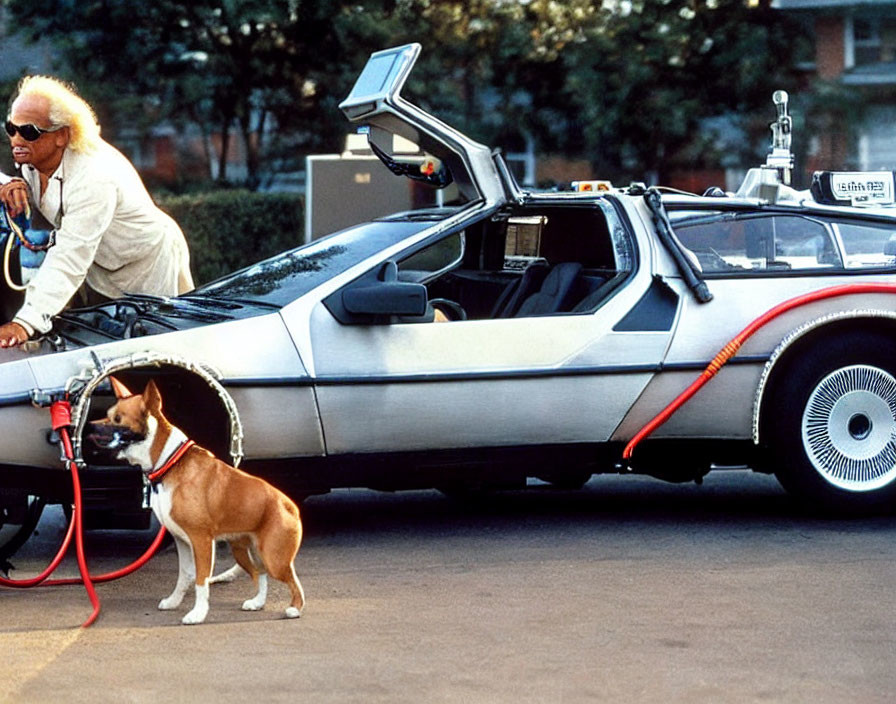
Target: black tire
x=830 y=424
x=17 y=533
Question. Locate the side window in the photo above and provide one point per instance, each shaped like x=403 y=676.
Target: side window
x=525 y=263
x=727 y=244
x=434 y=260
x=724 y=243
x=804 y=243
x=867 y=245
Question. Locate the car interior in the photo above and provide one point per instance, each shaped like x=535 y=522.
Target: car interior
x=524 y=263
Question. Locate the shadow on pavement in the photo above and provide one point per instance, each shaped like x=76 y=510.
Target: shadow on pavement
x=726 y=498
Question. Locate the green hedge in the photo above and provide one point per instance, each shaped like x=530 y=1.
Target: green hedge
x=227 y=230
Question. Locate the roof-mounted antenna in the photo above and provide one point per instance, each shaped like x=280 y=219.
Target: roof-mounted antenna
x=780 y=157
x=771 y=181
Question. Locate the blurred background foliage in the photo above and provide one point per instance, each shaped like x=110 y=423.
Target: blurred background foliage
x=233 y=228
x=629 y=87
x=622 y=84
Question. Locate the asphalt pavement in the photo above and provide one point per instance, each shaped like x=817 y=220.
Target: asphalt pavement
x=630 y=590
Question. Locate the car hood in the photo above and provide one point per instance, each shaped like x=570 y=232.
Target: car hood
x=376 y=106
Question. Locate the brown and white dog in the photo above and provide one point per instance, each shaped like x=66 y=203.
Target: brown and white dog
x=200 y=499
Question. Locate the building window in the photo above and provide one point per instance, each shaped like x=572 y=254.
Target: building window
x=874 y=40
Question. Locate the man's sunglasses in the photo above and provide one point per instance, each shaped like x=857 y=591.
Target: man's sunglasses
x=29 y=132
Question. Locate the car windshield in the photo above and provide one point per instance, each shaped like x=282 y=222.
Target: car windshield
x=283 y=278
x=262 y=287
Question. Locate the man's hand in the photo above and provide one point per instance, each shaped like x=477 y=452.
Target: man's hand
x=12 y=334
x=14 y=195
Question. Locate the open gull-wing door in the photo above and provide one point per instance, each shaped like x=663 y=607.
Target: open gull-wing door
x=375 y=102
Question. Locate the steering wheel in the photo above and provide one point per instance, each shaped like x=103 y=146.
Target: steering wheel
x=451 y=309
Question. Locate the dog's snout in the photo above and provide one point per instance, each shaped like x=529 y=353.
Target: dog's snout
x=108 y=436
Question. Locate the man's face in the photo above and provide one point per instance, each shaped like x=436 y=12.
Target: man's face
x=46 y=151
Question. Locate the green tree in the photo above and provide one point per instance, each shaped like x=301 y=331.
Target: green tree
x=211 y=63
x=624 y=83
x=621 y=82
x=645 y=73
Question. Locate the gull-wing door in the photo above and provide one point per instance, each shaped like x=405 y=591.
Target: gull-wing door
x=375 y=103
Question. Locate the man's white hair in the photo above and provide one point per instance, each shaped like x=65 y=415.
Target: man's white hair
x=66 y=108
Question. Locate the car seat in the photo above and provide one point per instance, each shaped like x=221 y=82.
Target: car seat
x=601 y=285
x=554 y=292
x=533 y=276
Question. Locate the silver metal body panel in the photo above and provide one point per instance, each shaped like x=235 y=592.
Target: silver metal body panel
x=724 y=407
x=251 y=348
x=24 y=440
x=255 y=355
x=705 y=328
x=16 y=373
x=469 y=414
x=482 y=382
x=279 y=421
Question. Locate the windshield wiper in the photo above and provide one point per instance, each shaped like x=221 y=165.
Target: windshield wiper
x=227 y=303
x=179 y=307
x=689 y=273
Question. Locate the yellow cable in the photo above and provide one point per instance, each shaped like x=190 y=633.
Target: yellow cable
x=17 y=231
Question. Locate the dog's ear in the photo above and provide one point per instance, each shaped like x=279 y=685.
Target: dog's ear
x=119 y=389
x=152 y=398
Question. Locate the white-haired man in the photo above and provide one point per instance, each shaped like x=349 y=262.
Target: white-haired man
x=108 y=232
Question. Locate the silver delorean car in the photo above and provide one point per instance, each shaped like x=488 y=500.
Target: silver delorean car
x=506 y=335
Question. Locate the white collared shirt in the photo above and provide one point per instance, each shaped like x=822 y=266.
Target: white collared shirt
x=108 y=232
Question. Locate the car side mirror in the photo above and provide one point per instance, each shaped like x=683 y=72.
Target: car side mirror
x=386 y=298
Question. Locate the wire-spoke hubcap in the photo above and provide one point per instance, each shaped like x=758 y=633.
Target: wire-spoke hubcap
x=849 y=428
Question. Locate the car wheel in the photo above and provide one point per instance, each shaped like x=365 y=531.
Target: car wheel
x=832 y=424
x=17 y=523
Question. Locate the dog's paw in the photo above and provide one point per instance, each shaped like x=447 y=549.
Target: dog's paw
x=292 y=612
x=194 y=616
x=253 y=605
x=170 y=603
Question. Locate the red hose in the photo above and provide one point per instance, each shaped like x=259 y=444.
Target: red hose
x=729 y=350
x=78 y=518
x=34 y=581
x=60 y=413
x=117 y=574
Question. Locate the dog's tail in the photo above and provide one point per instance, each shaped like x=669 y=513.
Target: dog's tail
x=227 y=576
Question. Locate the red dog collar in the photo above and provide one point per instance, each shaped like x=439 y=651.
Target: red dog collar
x=157 y=474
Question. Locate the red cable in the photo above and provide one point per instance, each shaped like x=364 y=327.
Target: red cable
x=78 y=517
x=60 y=413
x=41 y=579
x=34 y=581
x=729 y=350
x=118 y=574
